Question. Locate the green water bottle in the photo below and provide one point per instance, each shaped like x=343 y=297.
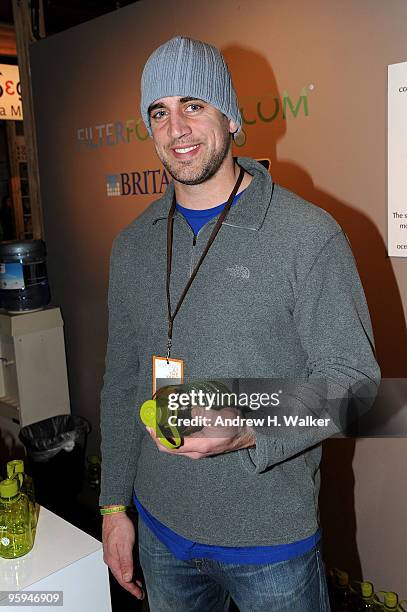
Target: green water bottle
x=93 y=472
x=15 y=469
x=367 y=600
x=171 y=421
x=343 y=597
x=16 y=538
x=390 y=602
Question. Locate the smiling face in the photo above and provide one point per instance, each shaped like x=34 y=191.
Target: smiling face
x=192 y=138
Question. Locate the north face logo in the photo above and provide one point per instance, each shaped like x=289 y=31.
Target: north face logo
x=239 y=272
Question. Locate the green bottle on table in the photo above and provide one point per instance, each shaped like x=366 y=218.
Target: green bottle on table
x=343 y=597
x=391 y=601
x=16 y=538
x=15 y=469
x=367 y=600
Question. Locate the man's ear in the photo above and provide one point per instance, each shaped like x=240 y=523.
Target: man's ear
x=232 y=126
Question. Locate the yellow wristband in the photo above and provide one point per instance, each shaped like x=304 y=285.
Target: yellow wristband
x=112 y=510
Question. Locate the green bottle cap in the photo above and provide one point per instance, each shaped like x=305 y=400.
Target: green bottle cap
x=148 y=413
x=153 y=416
x=15 y=467
x=8 y=488
x=367 y=589
x=342 y=578
x=390 y=599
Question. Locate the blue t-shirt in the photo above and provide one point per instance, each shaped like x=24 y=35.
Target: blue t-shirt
x=186 y=550
x=198 y=218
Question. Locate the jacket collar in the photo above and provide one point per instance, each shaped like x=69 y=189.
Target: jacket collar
x=252 y=206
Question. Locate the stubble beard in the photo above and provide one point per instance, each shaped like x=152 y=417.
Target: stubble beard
x=209 y=169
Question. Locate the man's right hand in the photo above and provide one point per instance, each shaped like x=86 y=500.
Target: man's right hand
x=118 y=537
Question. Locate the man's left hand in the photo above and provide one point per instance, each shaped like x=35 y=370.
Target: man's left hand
x=212 y=439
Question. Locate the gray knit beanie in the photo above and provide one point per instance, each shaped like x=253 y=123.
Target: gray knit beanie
x=186 y=67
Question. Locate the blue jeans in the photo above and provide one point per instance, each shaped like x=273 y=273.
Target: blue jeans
x=202 y=585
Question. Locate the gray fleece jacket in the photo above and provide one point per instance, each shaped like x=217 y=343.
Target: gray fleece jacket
x=278 y=296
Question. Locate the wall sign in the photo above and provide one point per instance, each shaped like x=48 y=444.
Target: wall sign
x=10 y=93
x=397 y=160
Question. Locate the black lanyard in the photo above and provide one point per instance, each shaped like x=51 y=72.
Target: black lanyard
x=170 y=226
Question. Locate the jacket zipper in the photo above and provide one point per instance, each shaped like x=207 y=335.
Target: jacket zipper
x=194 y=239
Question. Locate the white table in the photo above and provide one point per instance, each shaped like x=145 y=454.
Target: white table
x=63 y=558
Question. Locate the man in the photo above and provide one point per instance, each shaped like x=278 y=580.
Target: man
x=274 y=294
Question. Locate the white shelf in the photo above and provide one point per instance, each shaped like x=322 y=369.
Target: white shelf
x=63 y=558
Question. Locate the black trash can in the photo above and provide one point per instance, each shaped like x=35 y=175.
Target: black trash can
x=56 y=450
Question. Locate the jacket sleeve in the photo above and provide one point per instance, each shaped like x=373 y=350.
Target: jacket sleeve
x=121 y=436
x=333 y=322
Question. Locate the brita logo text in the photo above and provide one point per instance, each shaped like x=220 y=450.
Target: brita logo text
x=145 y=182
